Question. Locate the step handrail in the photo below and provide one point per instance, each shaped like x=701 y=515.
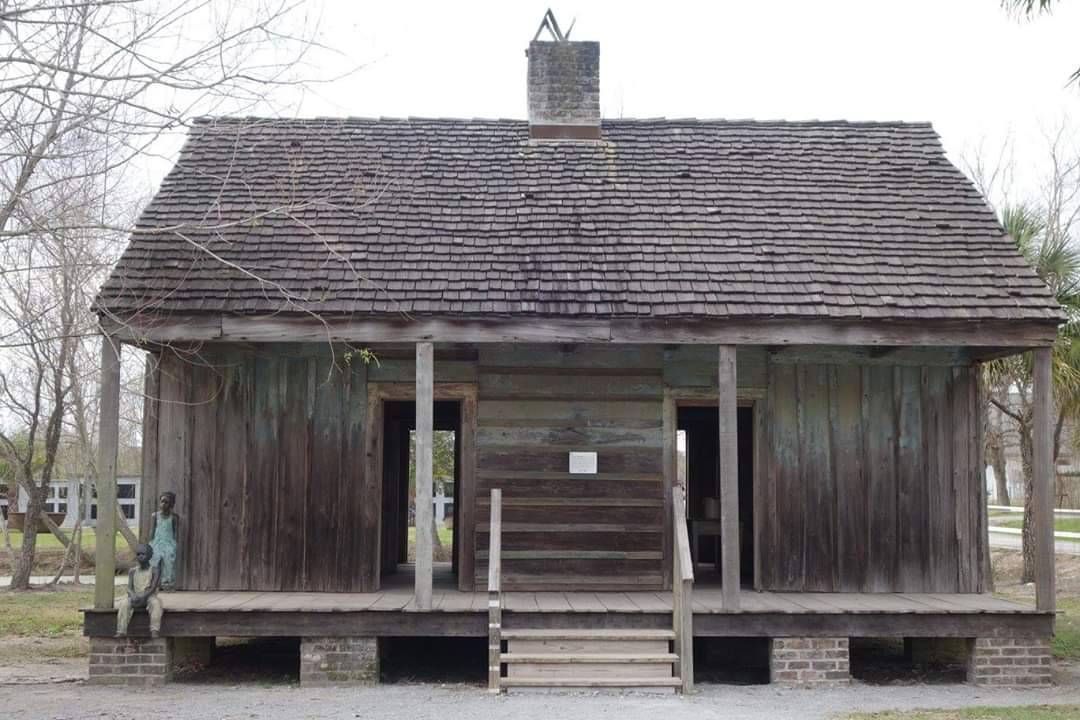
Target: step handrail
x=495 y=593
x=682 y=591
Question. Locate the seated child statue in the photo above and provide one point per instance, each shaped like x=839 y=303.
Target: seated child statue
x=142 y=590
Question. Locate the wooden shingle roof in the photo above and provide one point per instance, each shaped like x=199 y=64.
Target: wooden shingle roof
x=661 y=219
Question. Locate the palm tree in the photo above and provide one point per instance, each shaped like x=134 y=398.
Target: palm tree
x=1009 y=379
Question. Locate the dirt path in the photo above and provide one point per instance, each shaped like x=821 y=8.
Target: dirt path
x=420 y=702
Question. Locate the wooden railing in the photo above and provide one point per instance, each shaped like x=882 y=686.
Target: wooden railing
x=495 y=593
x=682 y=592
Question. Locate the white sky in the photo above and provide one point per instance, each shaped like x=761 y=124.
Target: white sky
x=980 y=75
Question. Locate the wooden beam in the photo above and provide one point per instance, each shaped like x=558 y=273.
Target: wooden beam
x=425 y=419
x=777 y=333
x=108 y=440
x=268 y=623
x=729 y=477
x=1043 y=480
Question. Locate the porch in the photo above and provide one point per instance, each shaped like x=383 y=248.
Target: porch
x=393 y=611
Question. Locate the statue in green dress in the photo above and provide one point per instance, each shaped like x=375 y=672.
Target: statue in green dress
x=164 y=538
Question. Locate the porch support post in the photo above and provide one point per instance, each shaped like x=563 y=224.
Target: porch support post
x=1043 y=471
x=729 y=477
x=108 y=438
x=425 y=417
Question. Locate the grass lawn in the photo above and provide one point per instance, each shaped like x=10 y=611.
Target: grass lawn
x=1025 y=712
x=43 y=613
x=446 y=536
x=48 y=541
x=1066 y=644
x=42 y=626
x=1064 y=524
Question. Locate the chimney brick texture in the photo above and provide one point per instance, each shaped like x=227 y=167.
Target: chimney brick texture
x=564 y=83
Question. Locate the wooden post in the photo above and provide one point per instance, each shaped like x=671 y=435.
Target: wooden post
x=495 y=592
x=729 y=478
x=425 y=418
x=1043 y=481
x=108 y=439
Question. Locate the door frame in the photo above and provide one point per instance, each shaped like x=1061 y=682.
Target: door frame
x=465 y=516
x=674 y=398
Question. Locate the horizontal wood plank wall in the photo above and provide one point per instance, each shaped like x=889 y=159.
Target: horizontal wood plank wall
x=265 y=452
x=871 y=482
x=695 y=366
x=563 y=531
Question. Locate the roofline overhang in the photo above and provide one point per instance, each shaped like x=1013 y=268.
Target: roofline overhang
x=151 y=329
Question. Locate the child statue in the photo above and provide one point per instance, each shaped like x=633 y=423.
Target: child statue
x=141 y=593
x=164 y=538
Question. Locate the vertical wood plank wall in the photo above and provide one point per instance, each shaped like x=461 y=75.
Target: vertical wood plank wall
x=266 y=454
x=872 y=481
x=867 y=476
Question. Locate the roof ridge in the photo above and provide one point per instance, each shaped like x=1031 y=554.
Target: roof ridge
x=343 y=119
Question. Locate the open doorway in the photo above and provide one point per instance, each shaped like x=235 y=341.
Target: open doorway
x=699 y=471
x=399 y=486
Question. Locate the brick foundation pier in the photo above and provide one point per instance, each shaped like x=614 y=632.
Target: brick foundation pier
x=130 y=661
x=810 y=662
x=1010 y=662
x=328 y=661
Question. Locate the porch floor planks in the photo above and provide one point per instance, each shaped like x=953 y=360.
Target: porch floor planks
x=778 y=603
x=707 y=600
x=553 y=602
x=184 y=601
x=520 y=602
x=617 y=602
x=458 y=602
x=651 y=602
x=585 y=602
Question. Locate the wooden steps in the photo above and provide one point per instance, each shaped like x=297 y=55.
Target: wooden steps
x=592 y=658
x=586 y=682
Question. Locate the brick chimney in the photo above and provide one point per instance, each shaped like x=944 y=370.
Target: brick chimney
x=564 y=90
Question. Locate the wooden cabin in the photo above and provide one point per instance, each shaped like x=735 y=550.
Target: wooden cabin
x=706 y=379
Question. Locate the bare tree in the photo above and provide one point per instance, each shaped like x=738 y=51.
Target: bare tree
x=50 y=312
x=120 y=74
x=89 y=89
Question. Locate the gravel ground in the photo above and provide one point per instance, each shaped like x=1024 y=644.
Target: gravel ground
x=419 y=702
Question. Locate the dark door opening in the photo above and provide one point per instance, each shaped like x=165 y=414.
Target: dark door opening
x=699 y=469
x=399 y=485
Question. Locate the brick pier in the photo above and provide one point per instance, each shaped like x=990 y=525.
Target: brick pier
x=130 y=661
x=810 y=662
x=328 y=661
x=1010 y=662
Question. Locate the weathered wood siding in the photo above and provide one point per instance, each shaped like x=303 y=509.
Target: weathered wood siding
x=871 y=480
x=564 y=531
x=265 y=450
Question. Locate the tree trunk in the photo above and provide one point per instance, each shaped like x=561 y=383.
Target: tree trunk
x=995 y=452
x=1028 y=532
x=20 y=579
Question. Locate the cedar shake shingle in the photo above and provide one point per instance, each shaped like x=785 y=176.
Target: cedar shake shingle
x=662 y=218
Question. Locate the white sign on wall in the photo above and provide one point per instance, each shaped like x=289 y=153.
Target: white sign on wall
x=583 y=463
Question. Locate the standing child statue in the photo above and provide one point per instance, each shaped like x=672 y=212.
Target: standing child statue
x=141 y=593
x=164 y=538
